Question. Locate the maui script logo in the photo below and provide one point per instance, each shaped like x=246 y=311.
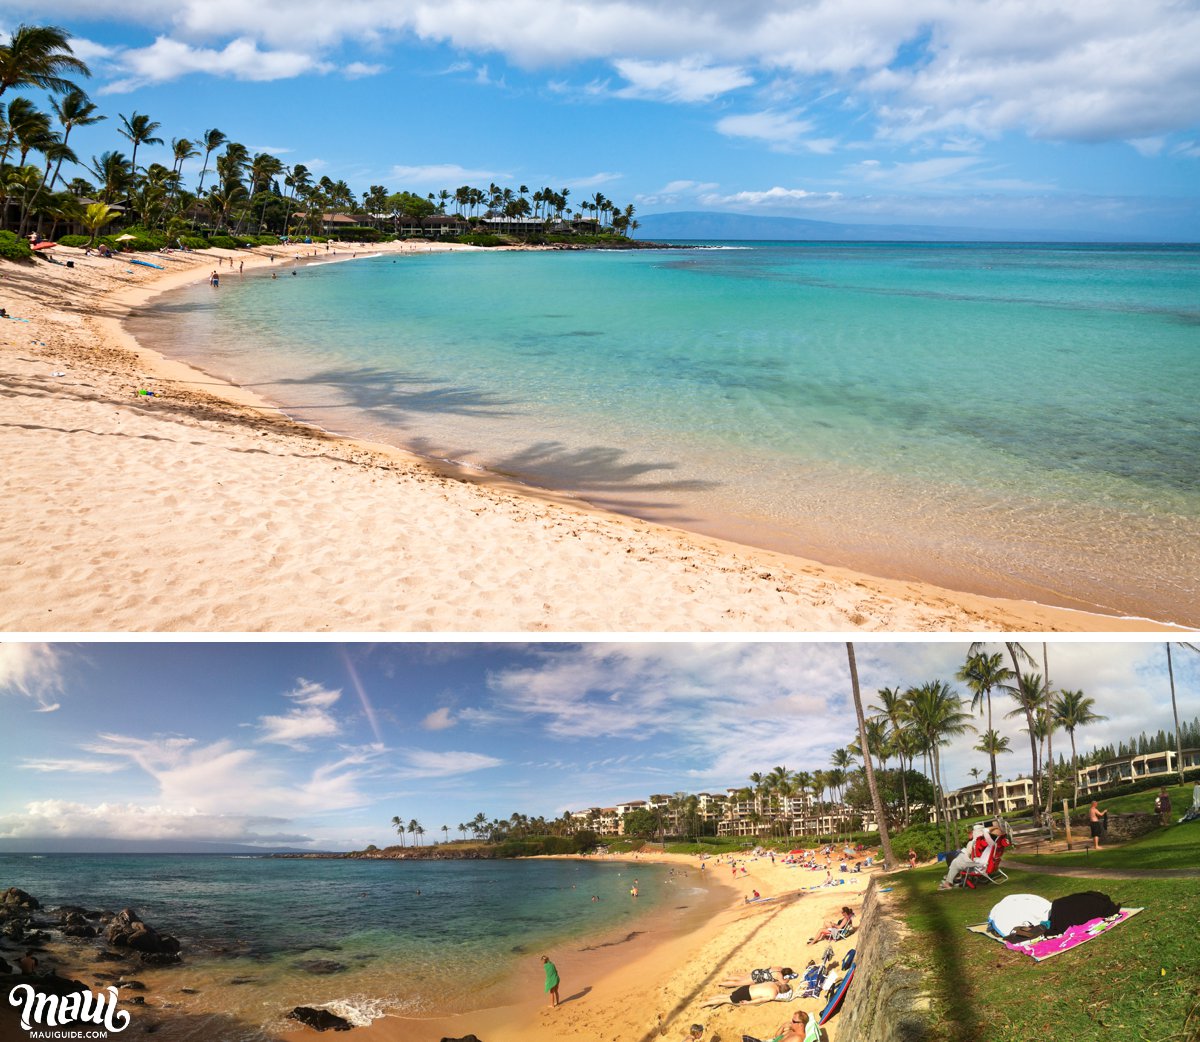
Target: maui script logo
x=82 y=1007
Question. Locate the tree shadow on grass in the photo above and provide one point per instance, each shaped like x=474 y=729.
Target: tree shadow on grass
x=945 y=953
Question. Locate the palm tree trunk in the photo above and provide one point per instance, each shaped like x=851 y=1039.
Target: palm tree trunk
x=1074 y=769
x=1175 y=710
x=1049 y=813
x=885 y=839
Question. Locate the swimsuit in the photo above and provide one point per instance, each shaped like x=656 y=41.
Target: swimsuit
x=761 y=976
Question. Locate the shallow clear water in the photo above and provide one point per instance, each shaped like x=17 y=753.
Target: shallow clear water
x=265 y=922
x=1010 y=419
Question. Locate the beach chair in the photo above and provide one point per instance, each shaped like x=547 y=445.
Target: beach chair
x=816 y=977
x=989 y=873
x=840 y=933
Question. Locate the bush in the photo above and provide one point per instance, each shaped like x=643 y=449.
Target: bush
x=358 y=233
x=194 y=242
x=926 y=838
x=481 y=239
x=223 y=242
x=74 y=240
x=13 y=247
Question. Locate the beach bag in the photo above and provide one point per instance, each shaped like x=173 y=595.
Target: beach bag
x=1077 y=909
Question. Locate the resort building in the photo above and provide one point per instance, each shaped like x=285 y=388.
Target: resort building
x=975 y=801
x=1126 y=769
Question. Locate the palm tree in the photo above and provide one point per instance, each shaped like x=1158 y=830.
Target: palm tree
x=398 y=825
x=139 y=129
x=993 y=745
x=37 y=56
x=1018 y=655
x=1072 y=709
x=96 y=216
x=981 y=673
x=413 y=825
x=212 y=140
x=445 y=833
x=1029 y=693
x=935 y=711
x=885 y=839
x=73 y=109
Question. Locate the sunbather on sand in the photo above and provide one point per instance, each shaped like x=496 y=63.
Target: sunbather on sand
x=752 y=995
x=763 y=976
x=830 y=929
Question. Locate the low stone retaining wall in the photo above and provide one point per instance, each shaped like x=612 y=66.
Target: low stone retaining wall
x=1121 y=827
x=887 y=1001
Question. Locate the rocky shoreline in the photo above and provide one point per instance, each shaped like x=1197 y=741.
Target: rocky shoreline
x=53 y=942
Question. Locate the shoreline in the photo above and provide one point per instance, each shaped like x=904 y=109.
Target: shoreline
x=644 y=980
x=543 y=547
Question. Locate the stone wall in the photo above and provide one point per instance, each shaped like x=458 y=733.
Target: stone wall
x=1121 y=827
x=887 y=1001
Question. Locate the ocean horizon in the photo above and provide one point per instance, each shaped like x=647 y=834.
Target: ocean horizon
x=1006 y=419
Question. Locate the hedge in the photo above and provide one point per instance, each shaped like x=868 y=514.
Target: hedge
x=13 y=247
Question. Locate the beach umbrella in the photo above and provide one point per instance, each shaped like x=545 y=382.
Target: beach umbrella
x=45 y=246
x=126 y=237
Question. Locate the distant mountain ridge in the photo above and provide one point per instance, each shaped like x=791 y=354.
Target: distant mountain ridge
x=699 y=224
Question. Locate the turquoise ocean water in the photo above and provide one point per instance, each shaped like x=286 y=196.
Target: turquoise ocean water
x=1017 y=420
x=267 y=923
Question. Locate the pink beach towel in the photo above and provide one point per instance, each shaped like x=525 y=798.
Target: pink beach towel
x=1047 y=947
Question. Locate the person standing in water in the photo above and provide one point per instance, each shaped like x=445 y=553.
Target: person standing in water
x=551 y=980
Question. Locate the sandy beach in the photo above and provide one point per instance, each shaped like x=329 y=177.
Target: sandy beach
x=199 y=508
x=619 y=997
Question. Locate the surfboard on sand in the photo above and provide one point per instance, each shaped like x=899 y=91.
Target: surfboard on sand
x=147 y=264
x=835 y=1000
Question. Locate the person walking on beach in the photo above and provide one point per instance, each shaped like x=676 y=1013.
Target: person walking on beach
x=1097 y=820
x=551 y=980
x=912 y=858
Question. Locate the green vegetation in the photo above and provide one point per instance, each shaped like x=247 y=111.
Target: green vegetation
x=1177 y=846
x=926 y=838
x=13 y=247
x=1142 y=799
x=1139 y=982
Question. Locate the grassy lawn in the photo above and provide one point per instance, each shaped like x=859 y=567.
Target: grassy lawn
x=1140 y=983
x=1176 y=846
x=1181 y=799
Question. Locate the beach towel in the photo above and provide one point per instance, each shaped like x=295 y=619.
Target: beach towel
x=1018 y=910
x=1044 y=948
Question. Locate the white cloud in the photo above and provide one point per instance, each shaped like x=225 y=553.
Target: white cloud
x=442 y=175
x=74 y=766
x=439 y=720
x=687 y=80
x=33 y=671
x=132 y=822
x=167 y=59
x=782 y=131
x=424 y=763
x=358 y=70
x=772 y=198
x=310 y=720
x=916 y=173
x=1103 y=70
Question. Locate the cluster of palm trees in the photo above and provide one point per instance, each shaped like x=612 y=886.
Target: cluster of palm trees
x=247 y=194
x=492 y=830
x=544 y=204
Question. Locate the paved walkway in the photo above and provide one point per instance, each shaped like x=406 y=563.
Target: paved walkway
x=1084 y=872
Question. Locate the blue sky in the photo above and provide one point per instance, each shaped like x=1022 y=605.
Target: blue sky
x=988 y=113
x=315 y=744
